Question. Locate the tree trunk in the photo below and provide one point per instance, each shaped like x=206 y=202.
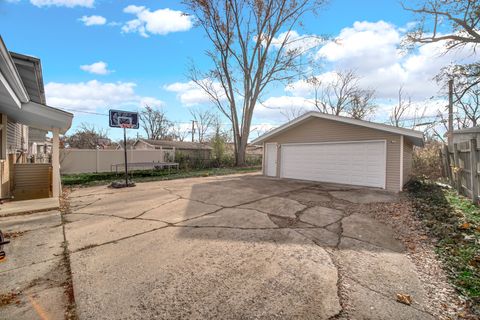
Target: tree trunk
x=241 y=151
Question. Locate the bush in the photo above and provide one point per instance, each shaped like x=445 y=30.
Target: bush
x=427 y=162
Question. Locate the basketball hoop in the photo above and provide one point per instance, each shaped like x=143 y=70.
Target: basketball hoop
x=125 y=122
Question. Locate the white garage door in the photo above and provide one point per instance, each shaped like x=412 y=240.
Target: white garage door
x=356 y=163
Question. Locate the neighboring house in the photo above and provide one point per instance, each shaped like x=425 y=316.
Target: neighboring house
x=250 y=150
x=328 y=148
x=39 y=146
x=191 y=149
x=22 y=108
x=467 y=134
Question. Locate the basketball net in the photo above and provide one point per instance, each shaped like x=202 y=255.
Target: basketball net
x=126 y=125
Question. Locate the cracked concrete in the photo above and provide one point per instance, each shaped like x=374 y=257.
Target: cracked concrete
x=34 y=271
x=236 y=247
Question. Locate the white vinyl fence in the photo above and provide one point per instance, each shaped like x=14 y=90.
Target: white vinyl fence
x=88 y=161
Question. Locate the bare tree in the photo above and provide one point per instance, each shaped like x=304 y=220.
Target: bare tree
x=454 y=22
x=362 y=106
x=204 y=120
x=87 y=137
x=293 y=112
x=400 y=111
x=178 y=133
x=466 y=90
x=155 y=123
x=252 y=48
x=342 y=95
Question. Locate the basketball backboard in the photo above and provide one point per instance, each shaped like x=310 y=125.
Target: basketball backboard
x=123 y=119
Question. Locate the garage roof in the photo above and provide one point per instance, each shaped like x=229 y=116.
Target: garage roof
x=416 y=137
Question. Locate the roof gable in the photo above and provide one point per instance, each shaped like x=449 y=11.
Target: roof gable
x=416 y=137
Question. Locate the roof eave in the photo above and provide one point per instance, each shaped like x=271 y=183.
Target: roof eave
x=42 y=117
x=7 y=67
x=416 y=136
x=37 y=66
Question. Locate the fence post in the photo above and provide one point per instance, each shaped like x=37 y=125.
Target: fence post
x=97 y=160
x=444 y=162
x=448 y=165
x=473 y=169
x=458 y=178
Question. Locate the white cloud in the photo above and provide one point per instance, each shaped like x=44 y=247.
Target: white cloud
x=296 y=41
x=277 y=108
x=371 y=49
x=190 y=94
x=159 y=22
x=63 y=3
x=93 y=95
x=364 y=46
x=93 y=20
x=151 y=102
x=257 y=130
x=99 y=67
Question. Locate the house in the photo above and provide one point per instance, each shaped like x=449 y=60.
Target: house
x=250 y=150
x=463 y=135
x=191 y=149
x=39 y=146
x=328 y=148
x=23 y=108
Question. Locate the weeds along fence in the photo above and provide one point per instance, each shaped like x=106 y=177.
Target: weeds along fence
x=461 y=163
x=94 y=161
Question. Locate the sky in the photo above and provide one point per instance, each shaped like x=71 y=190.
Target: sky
x=124 y=54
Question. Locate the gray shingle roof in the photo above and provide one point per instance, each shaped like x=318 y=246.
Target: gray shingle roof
x=177 y=144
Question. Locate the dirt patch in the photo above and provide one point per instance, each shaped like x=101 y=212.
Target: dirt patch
x=444 y=302
x=70 y=312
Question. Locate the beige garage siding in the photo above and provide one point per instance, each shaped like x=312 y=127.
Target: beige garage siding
x=323 y=130
x=407 y=161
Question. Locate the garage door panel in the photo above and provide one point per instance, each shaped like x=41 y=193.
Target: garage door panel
x=357 y=163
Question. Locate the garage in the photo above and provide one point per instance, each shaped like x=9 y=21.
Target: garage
x=336 y=149
x=355 y=163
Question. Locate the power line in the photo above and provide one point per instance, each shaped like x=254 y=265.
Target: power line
x=255 y=124
x=174 y=122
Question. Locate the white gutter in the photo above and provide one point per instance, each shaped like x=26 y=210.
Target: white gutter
x=10 y=91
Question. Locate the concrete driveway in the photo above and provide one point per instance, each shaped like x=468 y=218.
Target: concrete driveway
x=236 y=247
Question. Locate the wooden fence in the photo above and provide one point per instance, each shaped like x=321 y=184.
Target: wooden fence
x=32 y=181
x=461 y=163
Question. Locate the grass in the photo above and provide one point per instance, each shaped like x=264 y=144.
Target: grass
x=455 y=222
x=91 y=179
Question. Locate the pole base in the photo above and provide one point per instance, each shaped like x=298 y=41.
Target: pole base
x=122 y=184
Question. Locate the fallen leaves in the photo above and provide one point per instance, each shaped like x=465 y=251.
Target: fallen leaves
x=464 y=226
x=404 y=298
x=14 y=234
x=8 y=298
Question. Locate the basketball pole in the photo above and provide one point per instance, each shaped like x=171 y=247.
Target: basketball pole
x=125 y=151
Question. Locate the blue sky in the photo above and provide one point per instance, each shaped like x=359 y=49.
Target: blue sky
x=120 y=62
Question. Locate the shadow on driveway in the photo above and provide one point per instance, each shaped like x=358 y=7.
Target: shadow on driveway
x=237 y=247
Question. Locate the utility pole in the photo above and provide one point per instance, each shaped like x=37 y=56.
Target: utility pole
x=450 y=112
x=193 y=130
